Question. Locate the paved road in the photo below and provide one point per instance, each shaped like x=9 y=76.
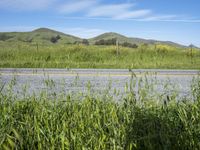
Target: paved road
x=77 y=80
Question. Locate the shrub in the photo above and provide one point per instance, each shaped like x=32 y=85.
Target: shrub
x=85 y=42
x=126 y=44
x=54 y=39
x=4 y=37
x=106 y=42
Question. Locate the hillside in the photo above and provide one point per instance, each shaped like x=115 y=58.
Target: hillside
x=45 y=35
x=122 y=39
x=41 y=35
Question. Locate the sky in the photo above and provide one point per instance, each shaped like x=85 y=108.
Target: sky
x=166 y=20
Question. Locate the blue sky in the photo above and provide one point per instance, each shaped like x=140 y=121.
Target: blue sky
x=168 y=20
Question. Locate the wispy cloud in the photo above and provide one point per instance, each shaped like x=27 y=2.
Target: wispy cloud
x=76 y=6
x=118 y=11
x=134 y=14
x=134 y=19
x=160 y=17
x=93 y=8
x=170 y=18
x=96 y=10
x=20 y=5
x=109 y=10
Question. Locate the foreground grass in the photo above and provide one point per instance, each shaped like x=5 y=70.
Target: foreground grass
x=95 y=123
x=22 y=55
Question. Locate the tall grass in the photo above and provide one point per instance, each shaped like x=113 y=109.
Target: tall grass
x=19 y=55
x=37 y=122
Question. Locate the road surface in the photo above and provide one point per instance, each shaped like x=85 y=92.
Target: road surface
x=99 y=80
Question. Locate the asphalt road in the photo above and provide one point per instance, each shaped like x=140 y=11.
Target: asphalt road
x=77 y=80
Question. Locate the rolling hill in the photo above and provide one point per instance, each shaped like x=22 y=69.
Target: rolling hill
x=41 y=35
x=44 y=35
x=122 y=39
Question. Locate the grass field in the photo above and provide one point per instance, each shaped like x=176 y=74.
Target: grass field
x=92 y=122
x=27 y=55
x=38 y=122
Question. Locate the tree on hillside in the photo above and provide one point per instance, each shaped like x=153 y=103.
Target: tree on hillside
x=58 y=37
x=4 y=37
x=100 y=42
x=85 y=42
x=126 y=44
x=54 y=39
x=106 y=42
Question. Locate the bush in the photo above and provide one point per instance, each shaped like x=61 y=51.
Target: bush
x=106 y=42
x=54 y=39
x=85 y=42
x=4 y=37
x=126 y=44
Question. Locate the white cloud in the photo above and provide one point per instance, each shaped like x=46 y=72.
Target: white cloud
x=134 y=14
x=16 y=5
x=170 y=18
x=76 y=6
x=94 y=10
x=160 y=17
x=118 y=11
x=109 y=10
x=142 y=19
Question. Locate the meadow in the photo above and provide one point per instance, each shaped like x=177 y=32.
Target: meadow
x=30 y=55
x=93 y=122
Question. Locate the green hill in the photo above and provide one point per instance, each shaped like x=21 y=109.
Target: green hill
x=121 y=38
x=139 y=41
x=49 y=36
x=41 y=35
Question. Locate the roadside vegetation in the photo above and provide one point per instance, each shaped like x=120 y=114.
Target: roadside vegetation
x=91 y=122
x=82 y=55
